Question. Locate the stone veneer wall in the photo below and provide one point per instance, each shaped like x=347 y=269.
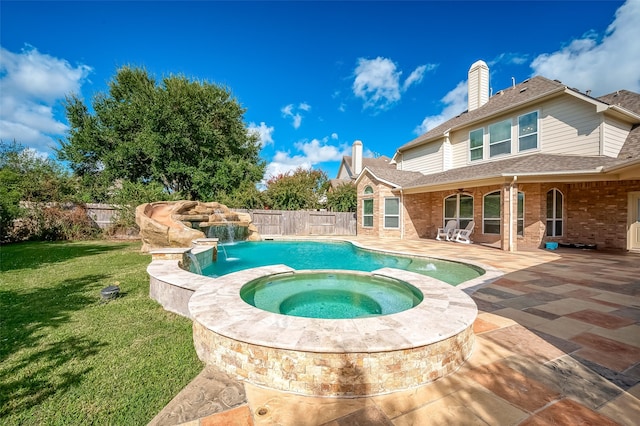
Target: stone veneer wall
x=333 y=374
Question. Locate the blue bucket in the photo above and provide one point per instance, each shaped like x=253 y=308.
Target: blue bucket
x=551 y=246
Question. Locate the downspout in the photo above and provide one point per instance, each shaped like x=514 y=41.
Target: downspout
x=513 y=182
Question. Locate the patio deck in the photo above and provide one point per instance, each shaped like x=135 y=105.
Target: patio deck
x=557 y=342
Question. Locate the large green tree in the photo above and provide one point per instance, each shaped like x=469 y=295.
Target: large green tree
x=28 y=176
x=343 y=198
x=188 y=136
x=300 y=189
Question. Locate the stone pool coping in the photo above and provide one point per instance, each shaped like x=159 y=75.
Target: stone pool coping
x=172 y=286
x=444 y=312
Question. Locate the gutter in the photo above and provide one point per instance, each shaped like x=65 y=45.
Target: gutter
x=598 y=169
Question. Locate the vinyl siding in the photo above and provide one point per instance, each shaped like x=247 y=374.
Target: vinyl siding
x=425 y=158
x=569 y=127
x=566 y=126
x=615 y=134
x=460 y=148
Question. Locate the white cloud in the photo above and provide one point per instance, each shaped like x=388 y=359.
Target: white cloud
x=602 y=65
x=508 y=58
x=31 y=83
x=377 y=82
x=416 y=76
x=334 y=136
x=454 y=103
x=310 y=154
x=291 y=111
x=263 y=131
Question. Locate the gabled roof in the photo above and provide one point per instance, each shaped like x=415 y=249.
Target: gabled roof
x=536 y=164
x=529 y=91
x=382 y=161
x=391 y=176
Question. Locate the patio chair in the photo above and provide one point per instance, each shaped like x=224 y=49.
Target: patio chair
x=463 y=235
x=447 y=231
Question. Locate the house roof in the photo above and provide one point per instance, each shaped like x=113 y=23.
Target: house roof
x=530 y=90
x=534 y=164
x=392 y=176
x=382 y=161
x=527 y=91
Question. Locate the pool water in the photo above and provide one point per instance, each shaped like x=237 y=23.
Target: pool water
x=331 y=255
x=330 y=295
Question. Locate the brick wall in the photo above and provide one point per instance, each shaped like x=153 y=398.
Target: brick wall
x=594 y=213
x=597 y=213
x=380 y=192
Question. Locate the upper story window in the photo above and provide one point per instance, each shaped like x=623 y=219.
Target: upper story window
x=392 y=212
x=528 y=131
x=368 y=190
x=500 y=138
x=476 y=142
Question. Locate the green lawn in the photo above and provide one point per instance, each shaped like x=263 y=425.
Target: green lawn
x=68 y=358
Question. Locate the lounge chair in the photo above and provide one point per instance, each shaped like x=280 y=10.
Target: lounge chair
x=463 y=235
x=447 y=231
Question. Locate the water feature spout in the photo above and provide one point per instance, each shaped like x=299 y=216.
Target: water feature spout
x=226 y=257
x=194 y=264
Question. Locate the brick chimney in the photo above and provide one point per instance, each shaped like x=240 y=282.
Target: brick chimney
x=478 y=85
x=356 y=158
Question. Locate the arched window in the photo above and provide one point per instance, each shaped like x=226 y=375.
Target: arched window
x=458 y=207
x=554 y=213
x=491 y=208
x=367 y=208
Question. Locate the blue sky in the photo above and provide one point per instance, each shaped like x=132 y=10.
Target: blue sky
x=313 y=76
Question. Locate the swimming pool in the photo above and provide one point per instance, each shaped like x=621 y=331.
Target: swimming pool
x=332 y=255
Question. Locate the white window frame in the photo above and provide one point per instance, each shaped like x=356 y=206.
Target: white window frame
x=476 y=148
x=364 y=213
x=554 y=219
x=462 y=221
x=507 y=142
x=518 y=217
x=492 y=219
x=386 y=215
x=536 y=132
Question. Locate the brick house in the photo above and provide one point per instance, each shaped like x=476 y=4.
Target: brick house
x=534 y=163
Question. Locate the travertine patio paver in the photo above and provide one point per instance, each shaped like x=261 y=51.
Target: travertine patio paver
x=578 y=370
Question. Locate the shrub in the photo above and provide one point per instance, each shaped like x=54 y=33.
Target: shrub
x=52 y=222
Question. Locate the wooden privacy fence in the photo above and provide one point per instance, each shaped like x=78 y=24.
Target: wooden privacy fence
x=302 y=222
x=102 y=214
x=268 y=222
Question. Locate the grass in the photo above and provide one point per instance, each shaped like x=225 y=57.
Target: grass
x=66 y=356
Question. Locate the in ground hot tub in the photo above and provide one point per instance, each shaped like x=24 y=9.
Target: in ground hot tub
x=358 y=356
x=331 y=295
